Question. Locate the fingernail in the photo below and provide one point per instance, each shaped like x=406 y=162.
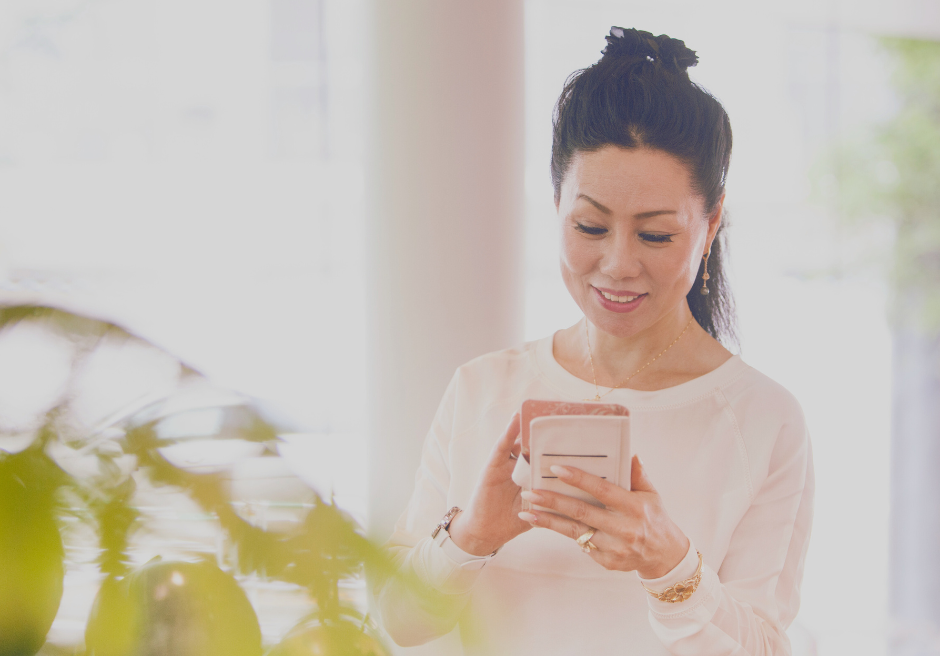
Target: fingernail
x=558 y=470
x=528 y=517
x=534 y=497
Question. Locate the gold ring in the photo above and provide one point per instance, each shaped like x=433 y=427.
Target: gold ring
x=585 y=541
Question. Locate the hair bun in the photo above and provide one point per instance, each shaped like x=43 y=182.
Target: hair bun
x=630 y=42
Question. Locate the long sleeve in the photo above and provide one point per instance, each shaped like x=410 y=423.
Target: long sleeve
x=746 y=606
x=730 y=455
x=435 y=579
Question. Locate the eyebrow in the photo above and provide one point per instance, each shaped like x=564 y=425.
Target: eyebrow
x=602 y=208
x=650 y=215
x=641 y=215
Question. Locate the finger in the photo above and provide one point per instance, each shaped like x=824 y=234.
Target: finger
x=575 y=509
x=597 y=487
x=605 y=559
x=639 y=481
x=503 y=447
x=517 y=447
x=564 y=525
x=602 y=554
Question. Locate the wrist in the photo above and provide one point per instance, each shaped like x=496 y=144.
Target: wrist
x=463 y=537
x=671 y=559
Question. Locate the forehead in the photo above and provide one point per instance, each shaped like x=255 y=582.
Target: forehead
x=629 y=179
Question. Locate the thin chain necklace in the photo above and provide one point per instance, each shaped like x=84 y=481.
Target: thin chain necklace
x=597 y=394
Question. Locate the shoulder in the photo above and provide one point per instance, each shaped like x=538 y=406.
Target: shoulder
x=499 y=378
x=753 y=394
x=769 y=418
x=499 y=364
x=498 y=372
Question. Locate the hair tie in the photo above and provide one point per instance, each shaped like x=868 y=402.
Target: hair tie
x=630 y=42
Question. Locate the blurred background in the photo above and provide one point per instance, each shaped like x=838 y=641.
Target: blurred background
x=328 y=205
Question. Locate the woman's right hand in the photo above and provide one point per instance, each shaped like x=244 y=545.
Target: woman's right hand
x=492 y=517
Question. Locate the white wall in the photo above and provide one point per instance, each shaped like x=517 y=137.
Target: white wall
x=446 y=217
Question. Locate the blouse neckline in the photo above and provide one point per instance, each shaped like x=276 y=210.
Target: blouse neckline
x=572 y=386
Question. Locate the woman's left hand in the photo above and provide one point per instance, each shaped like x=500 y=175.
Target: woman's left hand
x=633 y=531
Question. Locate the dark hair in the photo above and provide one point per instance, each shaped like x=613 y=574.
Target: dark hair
x=639 y=95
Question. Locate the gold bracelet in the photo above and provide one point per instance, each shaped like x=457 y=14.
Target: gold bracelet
x=681 y=590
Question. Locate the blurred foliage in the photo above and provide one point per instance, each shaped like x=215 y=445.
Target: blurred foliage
x=64 y=460
x=178 y=608
x=342 y=636
x=893 y=174
x=325 y=548
x=31 y=590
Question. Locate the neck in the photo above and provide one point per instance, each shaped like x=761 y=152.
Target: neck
x=616 y=358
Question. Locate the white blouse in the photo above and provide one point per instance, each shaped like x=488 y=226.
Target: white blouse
x=729 y=454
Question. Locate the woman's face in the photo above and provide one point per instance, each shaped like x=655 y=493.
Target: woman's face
x=633 y=234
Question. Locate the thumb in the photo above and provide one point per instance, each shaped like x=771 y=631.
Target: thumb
x=504 y=446
x=639 y=481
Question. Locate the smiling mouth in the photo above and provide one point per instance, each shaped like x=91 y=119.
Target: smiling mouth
x=619 y=299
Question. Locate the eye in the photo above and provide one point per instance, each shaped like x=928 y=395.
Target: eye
x=655 y=239
x=589 y=230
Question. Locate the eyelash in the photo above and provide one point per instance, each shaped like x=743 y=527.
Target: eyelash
x=645 y=236
x=590 y=231
x=656 y=239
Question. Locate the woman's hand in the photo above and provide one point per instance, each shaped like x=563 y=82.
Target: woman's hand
x=492 y=517
x=633 y=531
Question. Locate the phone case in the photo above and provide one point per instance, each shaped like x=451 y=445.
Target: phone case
x=533 y=408
x=597 y=444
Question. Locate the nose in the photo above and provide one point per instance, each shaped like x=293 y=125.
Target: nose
x=620 y=260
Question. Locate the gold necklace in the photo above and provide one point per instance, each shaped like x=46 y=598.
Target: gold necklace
x=597 y=395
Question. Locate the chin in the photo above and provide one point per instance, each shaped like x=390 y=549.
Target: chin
x=616 y=326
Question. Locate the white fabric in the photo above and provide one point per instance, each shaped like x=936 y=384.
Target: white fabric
x=728 y=452
x=456 y=554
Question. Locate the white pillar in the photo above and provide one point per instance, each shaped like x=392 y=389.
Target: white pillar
x=446 y=216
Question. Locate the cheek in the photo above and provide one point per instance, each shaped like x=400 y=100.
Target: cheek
x=673 y=268
x=577 y=255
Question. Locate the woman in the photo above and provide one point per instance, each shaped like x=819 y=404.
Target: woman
x=705 y=554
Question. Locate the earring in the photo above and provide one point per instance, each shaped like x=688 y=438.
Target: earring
x=705 y=276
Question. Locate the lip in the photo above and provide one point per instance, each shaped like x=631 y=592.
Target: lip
x=614 y=306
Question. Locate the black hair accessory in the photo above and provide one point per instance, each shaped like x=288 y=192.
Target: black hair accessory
x=630 y=42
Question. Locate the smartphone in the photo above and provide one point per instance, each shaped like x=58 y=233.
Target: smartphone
x=533 y=408
x=593 y=437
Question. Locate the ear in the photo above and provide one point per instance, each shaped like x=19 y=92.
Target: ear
x=714 y=222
